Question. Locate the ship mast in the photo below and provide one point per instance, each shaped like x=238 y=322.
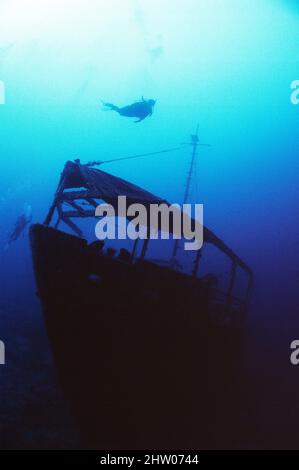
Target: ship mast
x=194 y=143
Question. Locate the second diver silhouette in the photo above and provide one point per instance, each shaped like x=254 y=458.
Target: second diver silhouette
x=141 y=109
x=23 y=220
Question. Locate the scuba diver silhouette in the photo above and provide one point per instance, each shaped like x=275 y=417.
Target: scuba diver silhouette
x=23 y=220
x=141 y=109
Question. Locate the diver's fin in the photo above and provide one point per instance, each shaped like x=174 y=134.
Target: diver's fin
x=104 y=108
x=110 y=106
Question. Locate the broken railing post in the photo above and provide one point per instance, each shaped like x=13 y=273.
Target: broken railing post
x=134 y=249
x=59 y=191
x=196 y=263
x=144 y=248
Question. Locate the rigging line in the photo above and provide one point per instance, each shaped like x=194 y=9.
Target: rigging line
x=101 y=162
x=198 y=145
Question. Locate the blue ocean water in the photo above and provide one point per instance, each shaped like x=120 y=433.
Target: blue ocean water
x=226 y=66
